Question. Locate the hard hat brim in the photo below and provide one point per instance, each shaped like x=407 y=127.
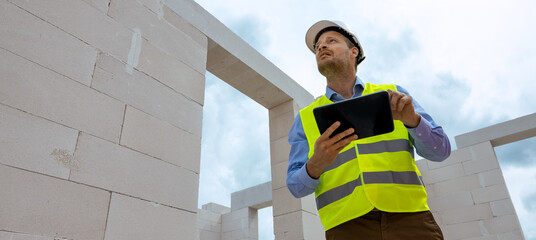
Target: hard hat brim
x=313 y=31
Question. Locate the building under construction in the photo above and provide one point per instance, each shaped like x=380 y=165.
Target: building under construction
x=101 y=115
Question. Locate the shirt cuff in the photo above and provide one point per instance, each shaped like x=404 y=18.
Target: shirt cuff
x=307 y=180
x=422 y=130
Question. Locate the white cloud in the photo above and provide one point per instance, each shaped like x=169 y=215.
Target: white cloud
x=486 y=43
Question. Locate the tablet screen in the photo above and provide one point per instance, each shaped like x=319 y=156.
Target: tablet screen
x=369 y=115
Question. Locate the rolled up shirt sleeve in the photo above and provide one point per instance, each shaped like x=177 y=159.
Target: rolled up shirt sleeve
x=299 y=182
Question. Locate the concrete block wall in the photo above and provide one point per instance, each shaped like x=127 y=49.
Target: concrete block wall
x=293 y=218
x=209 y=221
x=468 y=195
x=216 y=222
x=100 y=113
x=240 y=224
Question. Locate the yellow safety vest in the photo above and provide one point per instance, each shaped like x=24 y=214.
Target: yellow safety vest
x=375 y=172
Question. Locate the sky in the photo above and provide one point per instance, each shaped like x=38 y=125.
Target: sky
x=470 y=64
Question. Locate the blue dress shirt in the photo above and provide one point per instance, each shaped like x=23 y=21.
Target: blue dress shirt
x=429 y=139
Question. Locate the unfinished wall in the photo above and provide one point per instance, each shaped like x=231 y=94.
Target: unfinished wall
x=466 y=193
x=235 y=62
x=209 y=221
x=293 y=218
x=100 y=113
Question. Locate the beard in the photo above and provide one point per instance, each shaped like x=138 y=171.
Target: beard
x=331 y=66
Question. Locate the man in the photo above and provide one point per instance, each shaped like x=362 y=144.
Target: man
x=364 y=188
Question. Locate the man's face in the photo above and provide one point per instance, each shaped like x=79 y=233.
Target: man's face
x=333 y=54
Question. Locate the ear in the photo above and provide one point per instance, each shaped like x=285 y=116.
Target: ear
x=355 y=52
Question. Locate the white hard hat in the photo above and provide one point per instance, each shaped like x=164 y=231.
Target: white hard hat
x=322 y=26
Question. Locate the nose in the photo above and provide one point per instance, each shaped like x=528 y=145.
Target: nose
x=320 y=45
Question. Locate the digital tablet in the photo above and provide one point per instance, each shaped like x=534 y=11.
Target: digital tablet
x=369 y=115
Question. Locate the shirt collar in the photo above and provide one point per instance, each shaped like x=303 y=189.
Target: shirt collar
x=358 y=90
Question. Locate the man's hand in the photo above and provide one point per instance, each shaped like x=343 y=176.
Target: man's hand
x=403 y=110
x=327 y=149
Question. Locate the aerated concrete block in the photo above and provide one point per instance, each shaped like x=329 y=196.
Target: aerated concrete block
x=85 y=22
x=484 y=159
x=463 y=230
x=159 y=33
x=484 y=238
x=502 y=207
x=284 y=202
x=44 y=44
x=135 y=219
x=179 y=23
x=489 y=194
x=147 y=94
x=36 y=144
x=101 y=5
x=456 y=156
x=511 y=235
x=208 y=216
x=313 y=229
x=256 y=197
x=460 y=184
x=490 y=178
x=280 y=125
x=240 y=224
x=156 y=6
x=216 y=208
x=502 y=224
x=501 y=133
x=422 y=165
x=444 y=173
x=453 y=201
x=466 y=214
x=298 y=225
x=162 y=140
x=279 y=150
x=284 y=108
x=119 y=169
x=22 y=236
x=209 y=235
x=35 y=204
x=172 y=72
x=42 y=92
x=279 y=175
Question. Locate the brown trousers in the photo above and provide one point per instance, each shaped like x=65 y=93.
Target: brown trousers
x=388 y=226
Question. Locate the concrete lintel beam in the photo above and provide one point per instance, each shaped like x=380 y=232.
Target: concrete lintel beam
x=502 y=133
x=256 y=197
x=237 y=63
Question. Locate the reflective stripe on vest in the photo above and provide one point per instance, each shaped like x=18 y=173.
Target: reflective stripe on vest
x=396 y=145
x=334 y=194
x=337 y=193
x=410 y=178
